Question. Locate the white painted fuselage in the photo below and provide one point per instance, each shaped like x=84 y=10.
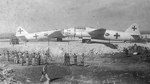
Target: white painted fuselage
x=38 y=35
x=132 y=33
x=23 y=35
x=118 y=36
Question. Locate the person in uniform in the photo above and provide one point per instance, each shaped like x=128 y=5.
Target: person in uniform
x=126 y=52
x=45 y=58
x=75 y=59
x=33 y=59
x=20 y=55
x=4 y=53
x=146 y=52
x=27 y=58
x=82 y=61
x=66 y=59
x=17 y=57
x=39 y=58
x=48 y=56
x=21 y=60
x=14 y=56
x=8 y=55
x=135 y=47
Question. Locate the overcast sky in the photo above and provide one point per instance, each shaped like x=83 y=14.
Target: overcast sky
x=41 y=15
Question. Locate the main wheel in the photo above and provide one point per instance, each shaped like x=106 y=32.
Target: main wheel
x=86 y=40
x=83 y=40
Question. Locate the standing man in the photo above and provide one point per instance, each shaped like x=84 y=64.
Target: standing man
x=66 y=59
x=33 y=59
x=27 y=58
x=14 y=57
x=126 y=52
x=39 y=58
x=4 y=53
x=45 y=58
x=17 y=57
x=135 y=47
x=146 y=52
x=8 y=55
x=21 y=60
x=82 y=61
x=20 y=55
x=75 y=59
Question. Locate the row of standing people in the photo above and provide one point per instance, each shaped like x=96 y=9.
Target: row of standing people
x=37 y=58
x=67 y=58
x=34 y=58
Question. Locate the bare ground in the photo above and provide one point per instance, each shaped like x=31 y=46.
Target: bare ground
x=106 y=66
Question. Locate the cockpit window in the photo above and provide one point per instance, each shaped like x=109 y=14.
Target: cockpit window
x=107 y=34
x=81 y=28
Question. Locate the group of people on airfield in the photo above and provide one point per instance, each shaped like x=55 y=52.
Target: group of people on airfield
x=38 y=58
x=66 y=62
x=26 y=58
x=136 y=50
x=75 y=59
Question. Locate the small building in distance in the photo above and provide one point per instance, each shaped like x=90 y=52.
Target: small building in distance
x=14 y=40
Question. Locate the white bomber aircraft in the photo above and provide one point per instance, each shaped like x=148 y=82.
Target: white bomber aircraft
x=23 y=35
x=88 y=33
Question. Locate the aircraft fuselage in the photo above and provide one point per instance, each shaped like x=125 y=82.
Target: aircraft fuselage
x=117 y=35
x=102 y=34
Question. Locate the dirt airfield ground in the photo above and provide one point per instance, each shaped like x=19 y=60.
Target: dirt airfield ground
x=104 y=63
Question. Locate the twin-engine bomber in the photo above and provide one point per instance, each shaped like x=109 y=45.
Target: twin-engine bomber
x=23 y=35
x=88 y=33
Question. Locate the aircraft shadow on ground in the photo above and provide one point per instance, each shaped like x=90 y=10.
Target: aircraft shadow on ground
x=54 y=79
x=112 y=46
x=53 y=41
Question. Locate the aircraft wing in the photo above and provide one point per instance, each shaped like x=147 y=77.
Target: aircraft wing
x=98 y=33
x=56 y=34
x=22 y=38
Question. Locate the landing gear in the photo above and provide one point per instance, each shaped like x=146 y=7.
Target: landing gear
x=125 y=41
x=86 y=40
x=59 y=39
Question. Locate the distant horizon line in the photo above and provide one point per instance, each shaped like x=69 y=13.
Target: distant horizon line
x=142 y=32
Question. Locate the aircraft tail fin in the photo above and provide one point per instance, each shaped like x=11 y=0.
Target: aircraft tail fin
x=133 y=29
x=21 y=32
